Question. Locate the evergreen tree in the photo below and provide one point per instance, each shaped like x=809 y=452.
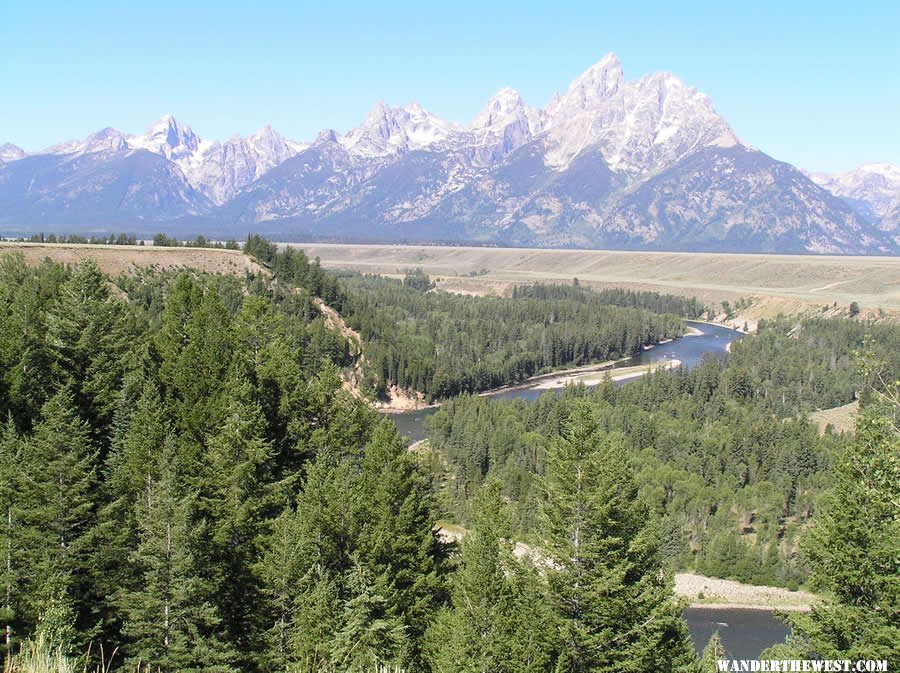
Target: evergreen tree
x=369 y=635
x=87 y=336
x=498 y=622
x=10 y=539
x=854 y=547
x=278 y=571
x=132 y=467
x=233 y=498
x=613 y=596
x=712 y=654
x=58 y=509
x=398 y=544
x=169 y=618
x=25 y=359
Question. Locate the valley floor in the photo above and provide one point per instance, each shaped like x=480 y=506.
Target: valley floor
x=788 y=283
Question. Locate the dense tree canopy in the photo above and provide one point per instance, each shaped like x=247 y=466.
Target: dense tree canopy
x=722 y=453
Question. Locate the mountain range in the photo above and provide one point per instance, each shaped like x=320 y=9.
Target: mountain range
x=643 y=164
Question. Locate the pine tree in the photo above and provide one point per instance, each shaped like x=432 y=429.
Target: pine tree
x=170 y=620
x=234 y=496
x=131 y=468
x=25 y=358
x=369 y=635
x=853 y=549
x=712 y=654
x=497 y=622
x=613 y=598
x=278 y=571
x=58 y=510
x=87 y=337
x=398 y=544
x=196 y=344
x=10 y=539
x=304 y=564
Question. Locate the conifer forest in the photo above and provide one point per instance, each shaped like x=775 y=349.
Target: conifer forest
x=194 y=478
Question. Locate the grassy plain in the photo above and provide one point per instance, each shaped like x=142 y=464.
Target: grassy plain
x=118 y=259
x=777 y=283
x=798 y=282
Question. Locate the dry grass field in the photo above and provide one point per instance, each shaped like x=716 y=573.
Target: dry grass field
x=789 y=284
x=119 y=259
x=842 y=419
x=800 y=282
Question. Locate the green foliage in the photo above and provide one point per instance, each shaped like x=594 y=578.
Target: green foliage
x=443 y=344
x=732 y=483
x=854 y=547
x=612 y=596
x=500 y=619
x=184 y=464
x=112 y=239
x=417 y=280
x=712 y=654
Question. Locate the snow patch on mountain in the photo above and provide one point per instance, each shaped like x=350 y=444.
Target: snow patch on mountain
x=392 y=131
x=640 y=127
x=874 y=187
x=10 y=152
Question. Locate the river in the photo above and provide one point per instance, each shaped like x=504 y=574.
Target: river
x=744 y=633
x=688 y=349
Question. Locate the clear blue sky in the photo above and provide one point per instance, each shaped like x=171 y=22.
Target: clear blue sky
x=813 y=83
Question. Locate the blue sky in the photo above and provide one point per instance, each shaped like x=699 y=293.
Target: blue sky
x=813 y=83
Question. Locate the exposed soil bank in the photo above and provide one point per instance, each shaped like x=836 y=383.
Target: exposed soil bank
x=715 y=593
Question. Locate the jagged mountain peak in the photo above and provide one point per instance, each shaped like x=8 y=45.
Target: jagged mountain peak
x=390 y=131
x=505 y=105
x=602 y=80
x=326 y=136
x=872 y=189
x=10 y=152
x=640 y=127
x=168 y=137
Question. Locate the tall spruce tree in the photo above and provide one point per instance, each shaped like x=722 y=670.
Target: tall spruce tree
x=615 y=606
x=234 y=497
x=10 y=539
x=498 y=621
x=854 y=548
x=58 y=509
x=398 y=543
x=87 y=337
x=170 y=620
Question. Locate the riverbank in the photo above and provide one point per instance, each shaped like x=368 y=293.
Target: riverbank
x=596 y=378
x=718 y=594
x=711 y=593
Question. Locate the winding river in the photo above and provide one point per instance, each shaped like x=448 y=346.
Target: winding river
x=689 y=350
x=744 y=633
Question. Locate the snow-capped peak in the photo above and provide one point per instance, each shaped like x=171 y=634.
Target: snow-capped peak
x=639 y=126
x=390 y=131
x=168 y=138
x=876 y=185
x=503 y=125
x=504 y=107
x=10 y=152
x=601 y=80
